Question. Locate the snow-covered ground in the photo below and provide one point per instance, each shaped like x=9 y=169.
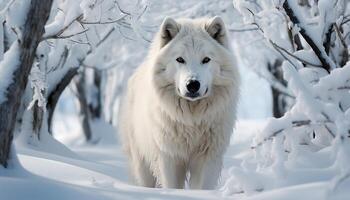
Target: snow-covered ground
x=98 y=171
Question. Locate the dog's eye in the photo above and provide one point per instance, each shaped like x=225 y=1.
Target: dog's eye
x=205 y=60
x=180 y=60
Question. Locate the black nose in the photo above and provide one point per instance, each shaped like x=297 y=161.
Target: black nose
x=193 y=86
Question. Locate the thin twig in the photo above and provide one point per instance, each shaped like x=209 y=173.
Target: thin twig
x=105 y=37
x=126 y=37
x=105 y=22
x=242 y=30
x=68 y=36
x=63 y=29
x=78 y=42
x=120 y=9
x=345 y=21
x=294 y=56
x=285 y=57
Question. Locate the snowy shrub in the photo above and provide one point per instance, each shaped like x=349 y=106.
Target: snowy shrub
x=311 y=141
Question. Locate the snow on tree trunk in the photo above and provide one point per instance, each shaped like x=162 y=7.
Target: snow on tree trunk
x=33 y=30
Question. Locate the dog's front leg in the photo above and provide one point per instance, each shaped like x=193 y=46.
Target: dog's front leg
x=172 y=171
x=205 y=172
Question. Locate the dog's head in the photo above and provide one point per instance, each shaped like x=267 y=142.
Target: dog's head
x=193 y=56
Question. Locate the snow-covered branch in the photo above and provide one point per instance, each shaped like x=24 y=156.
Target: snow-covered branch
x=315 y=64
x=319 y=51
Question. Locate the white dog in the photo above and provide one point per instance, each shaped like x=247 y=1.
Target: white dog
x=180 y=106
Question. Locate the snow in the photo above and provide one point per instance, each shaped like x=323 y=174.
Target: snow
x=38 y=84
x=286 y=154
x=95 y=172
x=17 y=11
x=304 y=154
x=7 y=68
x=62 y=19
x=99 y=172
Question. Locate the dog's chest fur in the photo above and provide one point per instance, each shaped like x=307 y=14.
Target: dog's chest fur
x=185 y=139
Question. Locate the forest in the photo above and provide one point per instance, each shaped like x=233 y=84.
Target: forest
x=64 y=68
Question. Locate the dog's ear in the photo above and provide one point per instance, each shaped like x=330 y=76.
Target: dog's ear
x=169 y=29
x=216 y=29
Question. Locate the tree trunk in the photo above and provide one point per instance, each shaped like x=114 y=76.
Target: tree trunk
x=33 y=30
x=278 y=103
x=54 y=96
x=95 y=106
x=83 y=105
x=38 y=115
x=278 y=99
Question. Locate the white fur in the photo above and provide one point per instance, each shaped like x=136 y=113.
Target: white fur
x=165 y=134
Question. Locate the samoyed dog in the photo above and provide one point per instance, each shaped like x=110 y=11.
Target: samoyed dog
x=179 y=110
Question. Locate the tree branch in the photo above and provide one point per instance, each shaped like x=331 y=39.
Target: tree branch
x=289 y=11
x=295 y=124
x=105 y=22
x=327 y=40
x=54 y=96
x=292 y=55
x=56 y=35
x=67 y=36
